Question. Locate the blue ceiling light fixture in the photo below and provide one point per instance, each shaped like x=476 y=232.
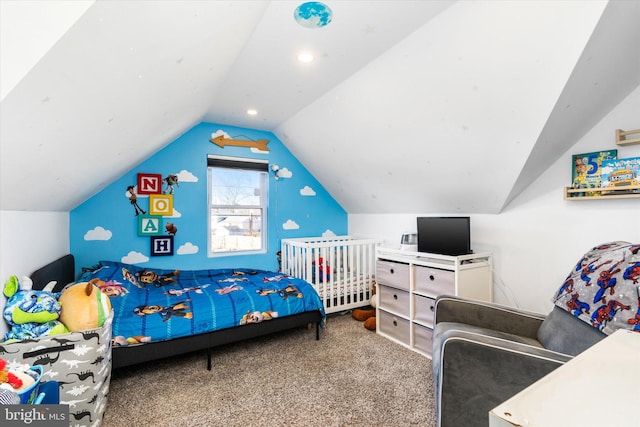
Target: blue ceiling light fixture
x=313 y=14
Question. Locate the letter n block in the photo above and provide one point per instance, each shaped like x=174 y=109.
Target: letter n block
x=149 y=183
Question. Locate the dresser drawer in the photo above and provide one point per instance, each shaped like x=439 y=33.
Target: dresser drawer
x=423 y=339
x=393 y=274
x=424 y=309
x=394 y=326
x=393 y=299
x=434 y=282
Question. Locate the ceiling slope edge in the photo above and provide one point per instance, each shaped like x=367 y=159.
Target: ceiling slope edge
x=594 y=89
x=49 y=21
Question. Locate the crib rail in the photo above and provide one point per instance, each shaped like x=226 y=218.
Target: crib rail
x=340 y=268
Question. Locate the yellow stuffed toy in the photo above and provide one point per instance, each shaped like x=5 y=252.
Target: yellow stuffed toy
x=367 y=315
x=84 y=306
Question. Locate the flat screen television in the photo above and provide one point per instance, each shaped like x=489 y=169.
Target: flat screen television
x=444 y=235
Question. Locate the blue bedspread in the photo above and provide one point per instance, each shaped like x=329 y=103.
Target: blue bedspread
x=156 y=304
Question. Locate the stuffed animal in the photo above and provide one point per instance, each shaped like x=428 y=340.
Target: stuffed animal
x=30 y=313
x=84 y=306
x=9 y=380
x=367 y=315
x=17 y=377
x=257 y=317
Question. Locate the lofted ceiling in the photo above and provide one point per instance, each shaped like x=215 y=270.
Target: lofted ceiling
x=409 y=106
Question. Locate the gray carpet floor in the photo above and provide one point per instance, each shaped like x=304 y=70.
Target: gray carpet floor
x=351 y=377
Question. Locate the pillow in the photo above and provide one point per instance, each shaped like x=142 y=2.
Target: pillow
x=603 y=289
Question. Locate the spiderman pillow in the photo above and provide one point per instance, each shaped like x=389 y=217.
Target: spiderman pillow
x=603 y=289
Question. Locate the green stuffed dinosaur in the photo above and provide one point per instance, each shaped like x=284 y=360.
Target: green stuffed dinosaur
x=31 y=313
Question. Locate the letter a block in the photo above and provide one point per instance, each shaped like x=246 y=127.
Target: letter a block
x=149 y=225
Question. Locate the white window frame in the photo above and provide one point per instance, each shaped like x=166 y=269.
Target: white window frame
x=257 y=165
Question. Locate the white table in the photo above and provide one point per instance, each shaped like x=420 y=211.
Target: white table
x=597 y=388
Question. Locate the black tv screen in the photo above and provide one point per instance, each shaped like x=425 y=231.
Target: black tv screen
x=444 y=235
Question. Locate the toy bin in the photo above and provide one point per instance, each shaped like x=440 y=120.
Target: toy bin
x=78 y=364
x=28 y=395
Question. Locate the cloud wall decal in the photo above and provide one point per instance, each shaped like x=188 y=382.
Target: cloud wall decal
x=175 y=214
x=284 y=173
x=307 y=191
x=186 y=176
x=290 y=225
x=98 y=233
x=258 y=151
x=220 y=132
x=134 y=257
x=188 y=249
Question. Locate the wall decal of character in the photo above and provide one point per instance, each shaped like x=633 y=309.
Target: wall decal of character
x=170 y=180
x=171 y=228
x=133 y=199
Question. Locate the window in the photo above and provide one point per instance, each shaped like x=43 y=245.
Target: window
x=237 y=205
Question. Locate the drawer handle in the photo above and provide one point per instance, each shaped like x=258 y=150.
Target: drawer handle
x=395 y=296
x=395 y=323
x=432 y=277
x=432 y=308
x=391 y=271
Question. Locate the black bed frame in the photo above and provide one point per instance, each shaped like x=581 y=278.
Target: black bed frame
x=62 y=270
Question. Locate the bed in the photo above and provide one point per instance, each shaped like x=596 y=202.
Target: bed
x=160 y=313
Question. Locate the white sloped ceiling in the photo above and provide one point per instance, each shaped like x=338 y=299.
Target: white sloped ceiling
x=409 y=106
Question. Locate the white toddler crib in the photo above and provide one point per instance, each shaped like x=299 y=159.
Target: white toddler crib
x=340 y=268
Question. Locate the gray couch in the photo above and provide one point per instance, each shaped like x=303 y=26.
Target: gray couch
x=484 y=353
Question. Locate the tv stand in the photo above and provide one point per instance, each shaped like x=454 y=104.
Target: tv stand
x=408 y=284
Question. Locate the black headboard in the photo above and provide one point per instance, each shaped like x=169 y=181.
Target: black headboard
x=61 y=270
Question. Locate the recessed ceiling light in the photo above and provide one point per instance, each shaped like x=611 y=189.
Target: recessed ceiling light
x=252 y=112
x=305 y=57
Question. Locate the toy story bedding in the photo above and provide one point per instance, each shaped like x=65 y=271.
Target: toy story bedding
x=153 y=305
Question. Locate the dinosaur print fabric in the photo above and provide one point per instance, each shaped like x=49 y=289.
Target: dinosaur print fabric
x=80 y=362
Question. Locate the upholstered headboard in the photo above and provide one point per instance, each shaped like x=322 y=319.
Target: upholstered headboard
x=61 y=270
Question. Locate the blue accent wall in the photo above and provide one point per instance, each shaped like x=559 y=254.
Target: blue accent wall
x=105 y=227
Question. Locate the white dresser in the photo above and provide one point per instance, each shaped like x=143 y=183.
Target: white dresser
x=408 y=284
